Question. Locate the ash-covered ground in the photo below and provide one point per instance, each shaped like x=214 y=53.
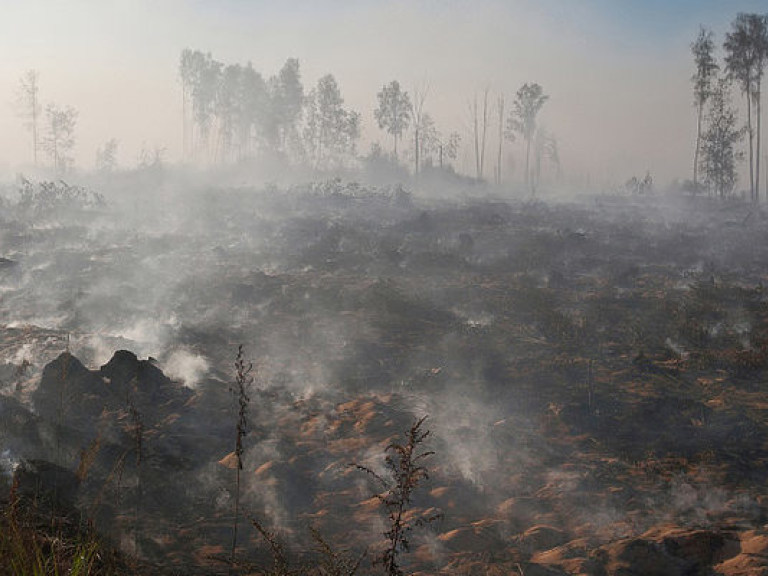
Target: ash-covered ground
x=593 y=371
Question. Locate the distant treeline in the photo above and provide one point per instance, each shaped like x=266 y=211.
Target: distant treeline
x=232 y=112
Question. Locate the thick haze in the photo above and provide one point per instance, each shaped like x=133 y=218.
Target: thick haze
x=591 y=363
x=617 y=72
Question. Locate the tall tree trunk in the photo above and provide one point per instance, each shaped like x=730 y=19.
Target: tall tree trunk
x=183 y=122
x=395 y=137
x=537 y=179
x=501 y=138
x=751 y=147
x=485 y=129
x=34 y=124
x=528 y=164
x=757 y=150
x=477 y=141
x=416 y=165
x=698 y=147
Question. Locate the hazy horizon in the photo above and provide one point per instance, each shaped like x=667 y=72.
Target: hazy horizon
x=618 y=76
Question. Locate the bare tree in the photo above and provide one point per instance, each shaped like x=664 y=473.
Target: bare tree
x=479 y=131
x=29 y=107
x=417 y=114
x=186 y=75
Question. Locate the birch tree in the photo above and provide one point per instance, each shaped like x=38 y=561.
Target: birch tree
x=59 y=139
x=746 y=52
x=706 y=70
x=330 y=132
x=528 y=102
x=394 y=111
x=719 y=142
x=418 y=114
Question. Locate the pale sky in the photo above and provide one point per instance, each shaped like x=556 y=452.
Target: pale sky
x=617 y=71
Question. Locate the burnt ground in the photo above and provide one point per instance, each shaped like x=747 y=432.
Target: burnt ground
x=593 y=371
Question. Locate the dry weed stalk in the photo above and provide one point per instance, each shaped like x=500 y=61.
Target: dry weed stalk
x=280 y=566
x=404 y=474
x=243 y=381
x=334 y=562
x=137 y=431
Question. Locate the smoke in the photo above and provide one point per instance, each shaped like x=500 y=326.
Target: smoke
x=264 y=492
x=187 y=367
x=8 y=463
x=676 y=348
x=96 y=349
x=362 y=312
x=24 y=353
